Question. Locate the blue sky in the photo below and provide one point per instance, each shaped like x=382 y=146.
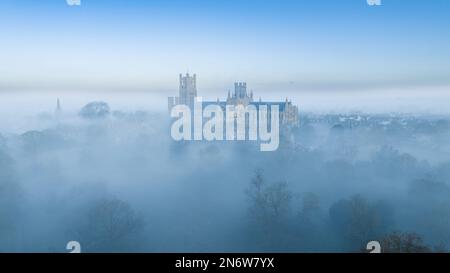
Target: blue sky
x=143 y=45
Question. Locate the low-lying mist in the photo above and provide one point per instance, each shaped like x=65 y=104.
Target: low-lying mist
x=115 y=181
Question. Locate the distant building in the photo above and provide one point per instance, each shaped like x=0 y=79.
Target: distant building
x=240 y=95
x=58 y=109
x=188 y=92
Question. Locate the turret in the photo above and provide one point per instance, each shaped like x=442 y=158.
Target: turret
x=188 y=89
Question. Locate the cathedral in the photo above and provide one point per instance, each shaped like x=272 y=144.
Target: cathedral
x=188 y=92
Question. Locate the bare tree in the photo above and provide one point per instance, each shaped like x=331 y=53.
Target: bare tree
x=269 y=207
x=359 y=220
x=110 y=225
x=310 y=205
x=398 y=242
x=268 y=202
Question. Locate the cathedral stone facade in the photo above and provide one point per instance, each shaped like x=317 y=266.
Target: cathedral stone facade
x=289 y=116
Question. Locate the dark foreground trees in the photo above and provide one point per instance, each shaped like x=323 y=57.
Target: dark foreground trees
x=398 y=242
x=111 y=225
x=269 y=203
x=358 y=221
x=269 y=206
